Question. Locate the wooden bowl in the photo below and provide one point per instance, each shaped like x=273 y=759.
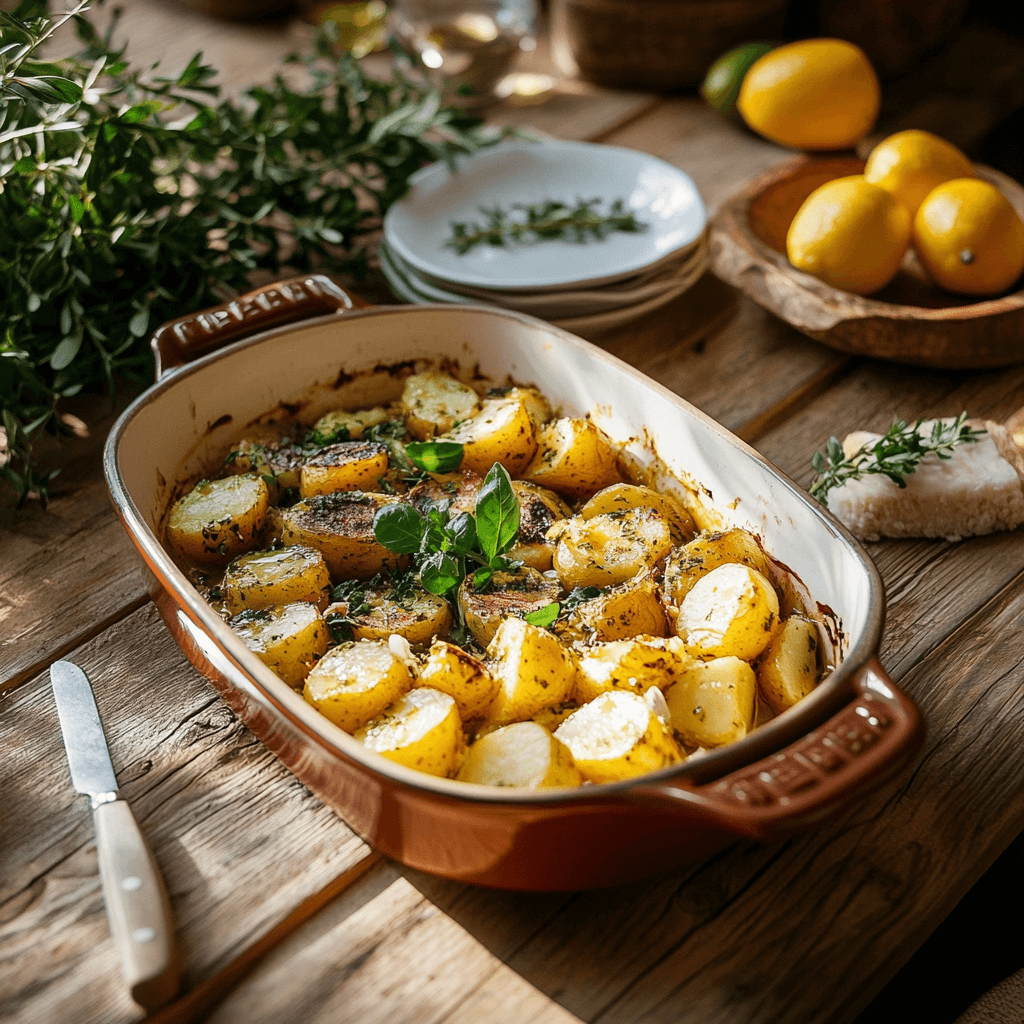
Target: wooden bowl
x=909 y=321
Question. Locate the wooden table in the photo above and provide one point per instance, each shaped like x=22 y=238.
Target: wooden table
x=286 y=915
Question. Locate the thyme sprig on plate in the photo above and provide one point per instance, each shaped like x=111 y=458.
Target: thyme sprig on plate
x=541 y=221
x=895 y=455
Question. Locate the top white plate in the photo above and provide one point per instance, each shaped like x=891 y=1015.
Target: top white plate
x=660 y=195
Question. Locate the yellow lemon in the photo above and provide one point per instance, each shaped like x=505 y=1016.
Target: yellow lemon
x=910 y=164
x=815 y=94
x=850 y=234
x=969 y=238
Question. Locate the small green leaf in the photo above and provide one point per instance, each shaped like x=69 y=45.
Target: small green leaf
x=435 y=456
x=545 y=616
x=497 y=513
x=462 y=531
x=439 y=573
x=139 y=323
x=66 y=351
x=399 y=528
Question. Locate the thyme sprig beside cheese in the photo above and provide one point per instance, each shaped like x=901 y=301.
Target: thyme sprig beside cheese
x=542 y=221
x=895 y=455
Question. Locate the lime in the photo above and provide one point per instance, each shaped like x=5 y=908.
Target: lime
x=722 y=83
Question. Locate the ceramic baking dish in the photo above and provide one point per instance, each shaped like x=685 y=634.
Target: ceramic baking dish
x=854 y=730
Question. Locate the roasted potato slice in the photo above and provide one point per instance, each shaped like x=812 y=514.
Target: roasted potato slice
x=454 y=671
x=218 y=519
x=609 y=548
x=533 y=670
x=420 y=730
x=574 y=458
x=524 y=755
x=632 y=608
x=418 y=616
x=277 y=460
x=349 y=466
x=707 y=552
x=788 y=670
x=460 y=488
x=539 y=510
x=260 y=579
x=712 y=702
x=513 y=592
x=501 y=431
x=287 y=638
x=620 y=497
x=617 y=736
x=340 y=527
x=634 y=665
x=733 y=610
x=341 y=425
x=433 y=402
x=353 y=683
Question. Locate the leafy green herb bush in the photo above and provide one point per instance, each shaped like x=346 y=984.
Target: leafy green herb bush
x=127 y=198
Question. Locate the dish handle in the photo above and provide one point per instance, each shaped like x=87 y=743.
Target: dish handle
x=872 y=738
x=282 y=302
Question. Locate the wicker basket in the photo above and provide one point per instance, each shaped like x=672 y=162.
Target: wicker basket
x=656 y=44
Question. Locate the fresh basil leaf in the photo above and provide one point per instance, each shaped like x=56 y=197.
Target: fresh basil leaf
x=482 y=578
x=439 y=573
x=545 y=616
x=399 y=528
x=497 y=513
x=435 y=456
x=435 y=532
x=462 y=532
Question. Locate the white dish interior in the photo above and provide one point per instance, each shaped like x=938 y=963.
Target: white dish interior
x=662 y=196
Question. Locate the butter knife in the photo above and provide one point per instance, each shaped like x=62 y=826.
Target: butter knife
x=137 y=905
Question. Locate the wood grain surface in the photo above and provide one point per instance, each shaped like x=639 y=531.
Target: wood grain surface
x=284 y=914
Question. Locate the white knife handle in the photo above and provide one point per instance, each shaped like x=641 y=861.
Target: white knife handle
x=137 y=906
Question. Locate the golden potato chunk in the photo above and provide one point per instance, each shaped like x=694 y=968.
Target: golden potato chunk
x=609 y=548
x=341 y=425
x=501 y=431
x=788 y=671
x=353 y=683
x=260 y=579
x=634 y=665
x=218 y=519
x=539 y=510
x=460 y=488
x=733 y=610
x=515 y=592
x=433 y=402
x=574 y=458
x=418 y=616
x=632 y=608
x=533 y=670
x=620 y=497
x=340 y=527
x=707 y=552
x=286 y=638
x=454 y=671
x=349 y=466
x=524 y=755
x=420 y=730
x=536 y=404
x=277 y=460
x=712 y=703
x=617 y=736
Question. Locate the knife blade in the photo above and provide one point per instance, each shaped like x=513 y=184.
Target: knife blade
x=138 y=907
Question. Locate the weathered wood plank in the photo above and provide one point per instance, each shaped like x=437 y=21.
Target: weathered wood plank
x=241 y=842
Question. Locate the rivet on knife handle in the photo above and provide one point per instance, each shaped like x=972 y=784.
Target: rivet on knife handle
x=137 y=906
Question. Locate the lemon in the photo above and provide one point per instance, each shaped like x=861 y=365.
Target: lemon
x=910 y=164
x=969 y=238
x=815 y=94
x=850 y=234
x=721 y=84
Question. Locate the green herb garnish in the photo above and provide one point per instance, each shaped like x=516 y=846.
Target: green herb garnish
x=549 y=613
x=442 y=547
x=542 y=221
x=543 y=617
x=896 y=455
x=128 y=199
x=435 y=456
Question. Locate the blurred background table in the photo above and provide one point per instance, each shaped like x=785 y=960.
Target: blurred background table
x=285 y=914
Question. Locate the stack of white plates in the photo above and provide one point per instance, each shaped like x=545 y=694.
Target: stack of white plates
x=582 y=286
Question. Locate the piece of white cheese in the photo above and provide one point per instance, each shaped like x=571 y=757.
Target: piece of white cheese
x=979 y=489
